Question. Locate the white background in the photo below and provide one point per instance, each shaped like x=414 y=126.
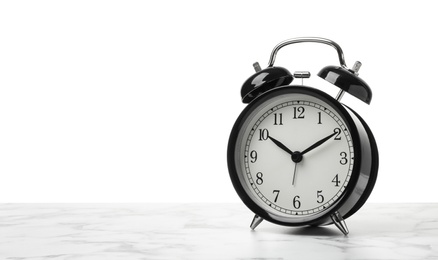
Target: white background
x=133 y=101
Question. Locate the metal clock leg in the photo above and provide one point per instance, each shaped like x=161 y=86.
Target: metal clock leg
x=255 y=222
x=339 y=222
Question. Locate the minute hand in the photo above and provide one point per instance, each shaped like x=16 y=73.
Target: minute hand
x=313 y=146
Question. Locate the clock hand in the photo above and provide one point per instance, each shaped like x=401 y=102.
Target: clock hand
x=313 y=146
x=295 y=156
x=293 y=176
x=282 y=146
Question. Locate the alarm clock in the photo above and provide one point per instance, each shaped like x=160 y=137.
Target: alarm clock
x=298 y=156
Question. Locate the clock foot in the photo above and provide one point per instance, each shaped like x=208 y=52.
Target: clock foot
x=255 y=222
x=340 y=222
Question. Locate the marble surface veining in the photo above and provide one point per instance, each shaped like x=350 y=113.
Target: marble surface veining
x=209 y=231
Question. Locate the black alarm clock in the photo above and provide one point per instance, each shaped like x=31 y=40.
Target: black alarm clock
x=296 y=155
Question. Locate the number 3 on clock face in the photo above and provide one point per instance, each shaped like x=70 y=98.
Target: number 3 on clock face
x=294 y=156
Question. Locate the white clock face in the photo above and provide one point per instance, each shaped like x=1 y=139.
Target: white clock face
x=296 y=156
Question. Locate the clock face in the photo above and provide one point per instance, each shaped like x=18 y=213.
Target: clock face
x=295 y=156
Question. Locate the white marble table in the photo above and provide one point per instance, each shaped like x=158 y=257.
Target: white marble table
x=208 y=231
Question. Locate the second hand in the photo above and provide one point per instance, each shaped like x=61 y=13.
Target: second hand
x=293 y=177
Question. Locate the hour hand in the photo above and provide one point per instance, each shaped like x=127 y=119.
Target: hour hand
x=281 y=145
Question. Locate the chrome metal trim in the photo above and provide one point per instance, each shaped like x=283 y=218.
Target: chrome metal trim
x=308 y=39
